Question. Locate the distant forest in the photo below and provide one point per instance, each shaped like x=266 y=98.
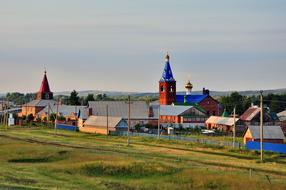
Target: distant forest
x=275 y=102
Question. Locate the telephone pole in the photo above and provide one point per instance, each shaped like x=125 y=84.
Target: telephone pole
x=129 y=121
x=107 y=124
x=56 y=119
x=234 y=126
x=261 y=126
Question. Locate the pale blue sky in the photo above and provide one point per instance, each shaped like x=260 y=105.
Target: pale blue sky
x=120 y=45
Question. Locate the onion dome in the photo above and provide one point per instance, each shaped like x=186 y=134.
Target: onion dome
x=189 y=86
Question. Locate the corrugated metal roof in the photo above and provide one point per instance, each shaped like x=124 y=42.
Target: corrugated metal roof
x=269 y=132
x=139 y=109
x=41 y=103
x=229 y=121
x=66 y=110
x=173 y=110
x=249 y=114
x=190 y=98
x=102 y=121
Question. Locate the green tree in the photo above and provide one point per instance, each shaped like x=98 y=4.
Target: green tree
x=74 y=98
x=99 y=97
x=275 y=102
x=90 y=97
x=236 y=100
x=53 y=117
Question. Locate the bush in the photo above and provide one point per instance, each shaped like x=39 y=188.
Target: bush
x=133 y=170
x=30 y=118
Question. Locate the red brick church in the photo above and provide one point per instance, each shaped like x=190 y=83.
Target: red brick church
x=168 y=94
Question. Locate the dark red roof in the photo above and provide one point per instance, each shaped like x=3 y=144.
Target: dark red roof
x=249 y=114
x=45 y=87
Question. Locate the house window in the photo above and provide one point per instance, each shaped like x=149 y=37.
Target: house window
x=162 y=88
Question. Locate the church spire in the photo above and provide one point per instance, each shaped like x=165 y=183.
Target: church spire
x=167 y=72
x=45 y=92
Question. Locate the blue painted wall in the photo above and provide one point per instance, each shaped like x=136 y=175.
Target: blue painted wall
x=279 y=148
x=67 y=127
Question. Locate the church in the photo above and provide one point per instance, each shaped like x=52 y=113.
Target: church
x=44 y=98
x=168 y=93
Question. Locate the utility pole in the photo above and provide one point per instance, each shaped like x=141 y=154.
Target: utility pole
x=159 y=122
x=57 y=113
x=129 y=121
x=107 y=129
x=26 y=109
x=7 y=115
x=261 y=126
x=2 y=109
x=234 y=126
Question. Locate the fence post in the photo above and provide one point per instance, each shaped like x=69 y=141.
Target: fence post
x=250 y=172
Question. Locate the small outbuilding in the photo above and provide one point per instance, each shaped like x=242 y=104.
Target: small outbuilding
x=271 y=134
x=99 y=125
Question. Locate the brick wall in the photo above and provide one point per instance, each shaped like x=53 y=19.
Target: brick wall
x=167 y=91
x=211 y=106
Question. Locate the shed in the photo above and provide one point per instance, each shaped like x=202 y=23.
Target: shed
x=98 y=124
x=272 y=134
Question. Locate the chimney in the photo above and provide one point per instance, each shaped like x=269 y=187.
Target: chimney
x=206 y=91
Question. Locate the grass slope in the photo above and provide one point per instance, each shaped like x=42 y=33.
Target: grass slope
x=42 y=159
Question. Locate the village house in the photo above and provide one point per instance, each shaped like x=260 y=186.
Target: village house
x=71 y=114
x=223 y=124
x=271 y=134
x=104 y=125
x=174 y=114
x=140 y=112
x=252 y=116
x=282 y=116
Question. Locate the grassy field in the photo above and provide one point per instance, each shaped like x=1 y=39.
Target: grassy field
x=34 y=158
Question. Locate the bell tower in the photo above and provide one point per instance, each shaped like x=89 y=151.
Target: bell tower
x=45 y=92
x=167 y=85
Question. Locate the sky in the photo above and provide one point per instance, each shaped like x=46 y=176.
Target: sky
x=120 y=45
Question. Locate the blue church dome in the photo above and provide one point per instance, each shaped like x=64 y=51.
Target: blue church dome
x=167 y=75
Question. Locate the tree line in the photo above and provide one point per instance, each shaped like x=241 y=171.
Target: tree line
x=275 y=102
